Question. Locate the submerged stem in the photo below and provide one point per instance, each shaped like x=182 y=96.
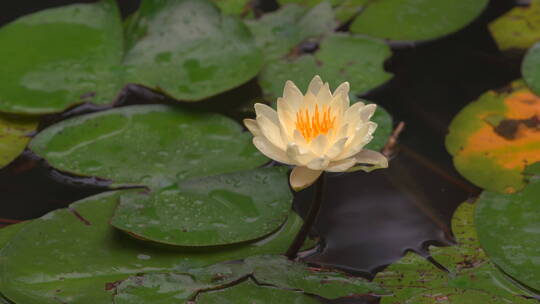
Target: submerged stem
x=310 y=218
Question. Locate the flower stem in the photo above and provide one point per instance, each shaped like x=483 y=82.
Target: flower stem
x=309 y=221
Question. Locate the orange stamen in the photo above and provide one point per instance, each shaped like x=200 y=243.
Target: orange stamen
x=311 y=126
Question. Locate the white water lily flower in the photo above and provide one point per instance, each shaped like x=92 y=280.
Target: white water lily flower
x=316 y=132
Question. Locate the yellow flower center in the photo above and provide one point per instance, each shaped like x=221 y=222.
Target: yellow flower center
x=319 y=122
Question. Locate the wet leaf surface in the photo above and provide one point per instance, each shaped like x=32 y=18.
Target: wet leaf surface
x=278 y=33
x=73 y=255
x=519 y=28
x=508 y=228
x=7 y=232
x=495 y=137
x=266 y=271
x=250 y=293
x=340 y=57
x=153 y=145
x=14 y=136
x=471 y=277
x=216 y=210
x=413 y=20
x=187 y=50
x=59 y=57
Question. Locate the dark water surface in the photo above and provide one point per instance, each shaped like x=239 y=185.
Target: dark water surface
x=367 y=220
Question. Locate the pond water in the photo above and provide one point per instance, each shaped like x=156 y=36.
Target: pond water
x=370 y=221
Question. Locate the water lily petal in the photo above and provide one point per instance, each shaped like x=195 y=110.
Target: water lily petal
x=343 y=90
x=319 y=163
x=271 y=151
x=271 y=131
x=286 y=115
x=252 y=126
x=324 y=97
x=336 y=148
x=319 y=145
x=367 y=111
x=268 y=112
x=315 y=85
x=292 y=94
x=341 y=166
x=299 y=157
x=374 y=159
x=302 y=177
x=300 y=140
x=359 y=139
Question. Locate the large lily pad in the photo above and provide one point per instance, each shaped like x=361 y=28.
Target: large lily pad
x=74 y=256
x=414 y=279
x=79 y=53
x=508 y=227
x=153 y=145
x=277 y=33
x=188 y=50
x=14 y=135
x=495 y=137
x=249 y=292
x=267 y=270
x=7 y=232
x=61 y=56
x=341 y=57
x=222 y=209
x=412 y=20
x=519 y=28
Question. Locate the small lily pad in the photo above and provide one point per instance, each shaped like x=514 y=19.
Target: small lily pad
x=519 y=28
x=74 y=256
x=153 y=145
x=249 y=292
x=508 y=227
x=61 y=56
x=216 y=210
x=494 y=156
x=471 y=276
x=413 y=20
x=14 y=136
x=188 y=50
x=340 y=57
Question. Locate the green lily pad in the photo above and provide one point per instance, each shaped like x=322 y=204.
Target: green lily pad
x=494 y=138
x=519 y=28
x=14 y=136
x=278 y=33
x=266 y=270
x=384 y=129
x=74 y=256
x=249 y=292
x=413 y=20
x=341 y=57
x=79 y=53
x=153 y=145
x=471 y=275
x=188 y=50
x=508 y=230
x=216 y=210
x=233 y=7
x=344 y=10
x=61 y=56
x=7 y=232
x=530 y=68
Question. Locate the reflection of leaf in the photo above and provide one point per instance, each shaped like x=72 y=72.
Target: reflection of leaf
x=216 y=210
x=267 y=270
x=153 y=145
x=14 y=135
x=472 y=277
x=508 y=227
x=340 y=57
x=411 y=20
x=493 y=157
x=62 y=56
x=74 y=256
x=517 y=29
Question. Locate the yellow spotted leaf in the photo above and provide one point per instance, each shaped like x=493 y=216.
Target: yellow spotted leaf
x=14 y=135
